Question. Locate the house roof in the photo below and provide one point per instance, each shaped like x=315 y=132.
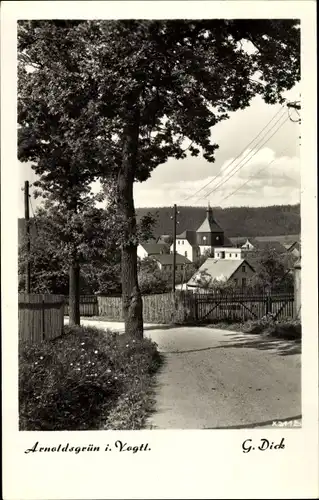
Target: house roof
x=167 y=259
x=239 y=240
x=163 y=238
x=209 y=225
x=154 y=248
x=228 y=241
x=217 y=269
x=188 y=235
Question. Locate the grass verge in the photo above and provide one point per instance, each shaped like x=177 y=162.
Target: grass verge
x=87 y=380
x=281 y=329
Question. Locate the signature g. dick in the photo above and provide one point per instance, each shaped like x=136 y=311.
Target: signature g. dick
x=263 y=445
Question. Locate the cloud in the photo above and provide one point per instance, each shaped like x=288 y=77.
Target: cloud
x=264 y=180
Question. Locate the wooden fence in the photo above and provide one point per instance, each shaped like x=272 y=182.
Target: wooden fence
x=41 y=316
x=187 y=306
x=157 y=308
x=241 y=307
x=88 y=305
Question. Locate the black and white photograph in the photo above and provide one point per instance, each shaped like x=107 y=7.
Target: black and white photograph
x=117 y=122
x=159 y=230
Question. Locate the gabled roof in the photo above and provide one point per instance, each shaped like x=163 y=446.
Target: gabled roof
x=228 y=242
x=154 y=248
x=188 y=235
x=219 y=269
x=167 y=259
x=163 y=238
x=209 y=225
x=239 y=240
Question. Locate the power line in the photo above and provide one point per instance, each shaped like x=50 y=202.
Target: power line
x=252 y=177
x=239 y=166
x=239 y=155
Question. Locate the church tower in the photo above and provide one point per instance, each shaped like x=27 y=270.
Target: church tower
x=209 y=234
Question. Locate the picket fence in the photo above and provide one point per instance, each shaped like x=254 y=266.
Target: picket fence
x=242 y=306
x=88 y=305
x=184 y=306
x=157 y=308
x=41 y=316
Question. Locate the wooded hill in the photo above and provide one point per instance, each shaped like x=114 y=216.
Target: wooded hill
x=274 y=220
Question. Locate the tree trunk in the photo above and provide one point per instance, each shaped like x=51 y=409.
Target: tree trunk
x=74 y=294
x=131 y=295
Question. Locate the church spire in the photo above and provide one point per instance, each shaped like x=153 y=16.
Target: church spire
x=209 y=212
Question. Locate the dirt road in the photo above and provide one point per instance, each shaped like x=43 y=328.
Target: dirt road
x=220 y=379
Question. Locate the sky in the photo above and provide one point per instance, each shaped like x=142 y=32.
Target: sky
x=249 y=169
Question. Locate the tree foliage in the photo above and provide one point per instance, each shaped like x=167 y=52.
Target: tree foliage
x=55 y=234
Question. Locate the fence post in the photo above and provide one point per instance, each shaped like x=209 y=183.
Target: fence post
x=195 y=306
x=268 y=302
x=297 y=289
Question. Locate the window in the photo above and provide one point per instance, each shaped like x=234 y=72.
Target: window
x=243 y=282
x=236 y=254
x=218 y=255
x=230 y=255
x=236 y=281
x=243 y=269
x=204 y=238
x=182 y=242
x=217 y=238
x=185 y=254
x=178 y=242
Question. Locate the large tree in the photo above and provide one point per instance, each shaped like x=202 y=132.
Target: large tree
x=53 y=237
x=124 y=95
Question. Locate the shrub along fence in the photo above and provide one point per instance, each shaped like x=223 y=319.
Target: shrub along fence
x=41 y=316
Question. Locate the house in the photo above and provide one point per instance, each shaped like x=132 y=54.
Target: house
x=165 y=262
x=149 y=249
x=186 y=245
x=227 y=253
x=164 y=238
x=245 y=243
x=237 y=270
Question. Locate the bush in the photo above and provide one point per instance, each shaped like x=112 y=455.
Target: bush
x=77 y=381
x=260 y=325
x=287 y=329
x=290 y=330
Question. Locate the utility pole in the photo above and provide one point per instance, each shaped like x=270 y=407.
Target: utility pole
x=27 y=227
x=174 y=245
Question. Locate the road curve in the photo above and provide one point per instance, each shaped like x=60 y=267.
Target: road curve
x=221 y=379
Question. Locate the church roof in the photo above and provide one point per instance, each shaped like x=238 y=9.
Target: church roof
x=188 y=235
x=209 y=225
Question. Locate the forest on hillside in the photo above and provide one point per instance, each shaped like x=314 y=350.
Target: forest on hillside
x=274 y=220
